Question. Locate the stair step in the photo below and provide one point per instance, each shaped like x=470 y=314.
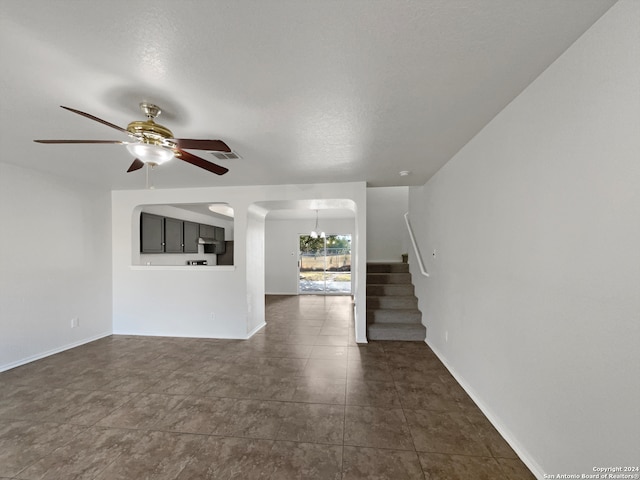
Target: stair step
x=386 y=278
x=390 y=289
x=395 y=315
x=392 y=301
x=392 y=307
x=387 y=267
x=396 y=331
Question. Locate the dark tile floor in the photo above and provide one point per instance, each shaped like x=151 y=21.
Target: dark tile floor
x=299 y=400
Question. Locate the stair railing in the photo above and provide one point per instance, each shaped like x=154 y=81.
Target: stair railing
x=415 y=246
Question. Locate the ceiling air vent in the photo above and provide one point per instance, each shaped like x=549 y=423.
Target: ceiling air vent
x=225 y=156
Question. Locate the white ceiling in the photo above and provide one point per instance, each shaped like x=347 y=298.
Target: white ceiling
x=295 y=212
x=305 y=92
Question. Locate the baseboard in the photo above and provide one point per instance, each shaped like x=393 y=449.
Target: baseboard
x=495 y=421
x=222 y=337
x=48 y=353
x=174 y=335
x=256 y=330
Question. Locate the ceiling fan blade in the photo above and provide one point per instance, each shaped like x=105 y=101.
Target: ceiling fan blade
x=116 y=142
x=213 y=145
x=99 y=120
x=136 y=165
x=200 y=162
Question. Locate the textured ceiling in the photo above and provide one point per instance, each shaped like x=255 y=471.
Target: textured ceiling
x=305 y=92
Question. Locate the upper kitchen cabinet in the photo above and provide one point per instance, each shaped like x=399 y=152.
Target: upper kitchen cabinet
x=151 y=233
x=207 y=231
x=219 y=240
x=167 y=235
x=191 y=233
x=173 y=235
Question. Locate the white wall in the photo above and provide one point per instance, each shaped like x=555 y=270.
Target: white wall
x=386 y=231
x=282 y=245
x=55 y=264
x=223 y=302
x=534 y=295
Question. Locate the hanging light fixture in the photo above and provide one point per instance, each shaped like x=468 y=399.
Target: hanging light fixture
x=150 y=154
x=314 y=232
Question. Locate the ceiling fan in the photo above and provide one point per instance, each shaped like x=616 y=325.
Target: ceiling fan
x=154 y=144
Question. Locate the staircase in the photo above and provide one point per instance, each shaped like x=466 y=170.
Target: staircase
x=392 y=307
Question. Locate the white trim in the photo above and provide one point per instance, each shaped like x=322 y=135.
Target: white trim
x=48 y=353
x=175 y=335
x=255 y=330
x=495 y=421
x=415 y=246
x=359 y=339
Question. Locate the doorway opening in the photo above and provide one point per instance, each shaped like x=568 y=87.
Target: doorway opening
x=324 y=265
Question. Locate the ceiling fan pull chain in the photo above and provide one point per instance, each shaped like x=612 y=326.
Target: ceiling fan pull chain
x=152 y=167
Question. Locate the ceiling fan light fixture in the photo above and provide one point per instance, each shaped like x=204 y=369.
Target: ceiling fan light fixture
x=149 y=153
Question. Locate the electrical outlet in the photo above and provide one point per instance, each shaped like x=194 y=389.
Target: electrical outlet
x=75 y=322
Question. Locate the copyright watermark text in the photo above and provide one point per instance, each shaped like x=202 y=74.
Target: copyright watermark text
x=600 y=473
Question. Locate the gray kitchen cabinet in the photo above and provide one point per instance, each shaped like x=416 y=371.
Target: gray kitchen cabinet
x=219 y=240
x=151 y=233
x=216 y=235
x=207 y=231
x=191 y=234
x=173 y=235
x=160 y=234
x=226 y=258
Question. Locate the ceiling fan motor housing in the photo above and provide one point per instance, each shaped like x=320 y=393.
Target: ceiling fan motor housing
x=151 y=132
